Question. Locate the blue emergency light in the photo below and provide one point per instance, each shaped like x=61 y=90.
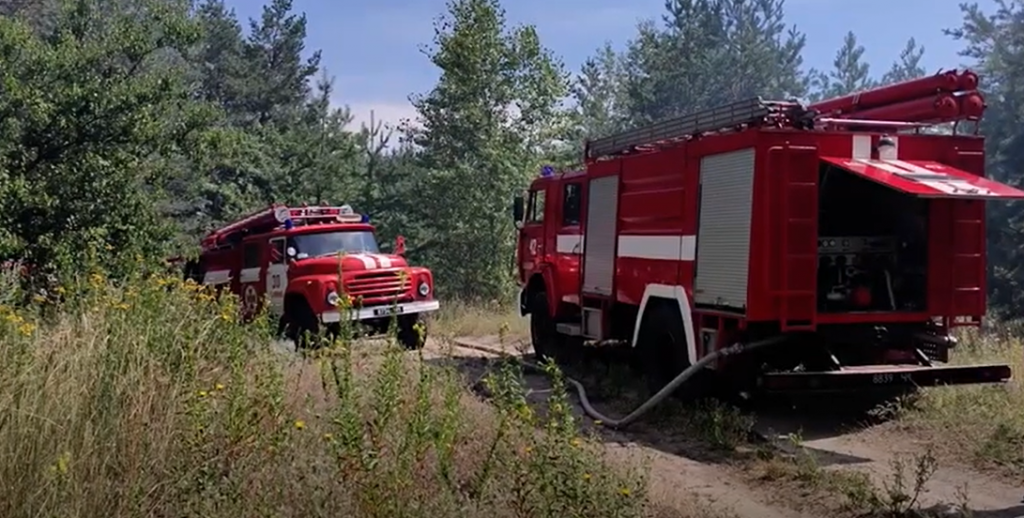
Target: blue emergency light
x=365 y=218
x=547 y=171
x=289 y=224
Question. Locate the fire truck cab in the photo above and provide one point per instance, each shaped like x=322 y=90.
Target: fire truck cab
x=859 y=243
x=302 y=260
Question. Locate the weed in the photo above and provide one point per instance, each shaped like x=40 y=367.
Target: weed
x=854 y=493
x=980 y=425
x=152 y=397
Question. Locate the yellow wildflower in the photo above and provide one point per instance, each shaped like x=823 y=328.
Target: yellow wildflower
x=625 y=491
x=219 y=386
x=61 y=466
x=575 y=441
x=202 y=393
x=328 y=436
x=26 y=328
x=300 y=424
x=586 y=476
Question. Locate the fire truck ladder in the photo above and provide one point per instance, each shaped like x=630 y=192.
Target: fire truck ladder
x=750 y=112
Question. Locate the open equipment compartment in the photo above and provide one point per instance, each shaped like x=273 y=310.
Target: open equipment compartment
x=872 y=255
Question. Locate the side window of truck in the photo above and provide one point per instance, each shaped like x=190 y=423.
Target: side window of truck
x=277 y=250
x=536 y=212
x=571 y=204
x=251 y=256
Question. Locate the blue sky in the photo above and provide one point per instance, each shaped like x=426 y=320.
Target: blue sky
x=372 y=47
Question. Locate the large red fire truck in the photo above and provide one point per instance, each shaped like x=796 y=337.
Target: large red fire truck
x=303 y=260
x=845 y=230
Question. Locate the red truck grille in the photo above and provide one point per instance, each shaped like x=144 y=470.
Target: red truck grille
x=374 y=285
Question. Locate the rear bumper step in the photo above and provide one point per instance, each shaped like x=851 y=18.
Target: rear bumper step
x=883 y=377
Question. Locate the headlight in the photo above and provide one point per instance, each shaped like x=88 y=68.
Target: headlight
x=333 y=299
x=424 y=289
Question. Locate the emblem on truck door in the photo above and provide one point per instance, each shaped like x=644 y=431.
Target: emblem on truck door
x=250 y=297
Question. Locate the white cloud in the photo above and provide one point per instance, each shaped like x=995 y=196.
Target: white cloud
x=391 y=113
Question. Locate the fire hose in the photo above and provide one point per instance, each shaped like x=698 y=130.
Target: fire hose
x=646 y=406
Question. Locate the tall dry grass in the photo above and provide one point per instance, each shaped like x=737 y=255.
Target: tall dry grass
x=983 y=424
x=149 y=398
x=462 y=319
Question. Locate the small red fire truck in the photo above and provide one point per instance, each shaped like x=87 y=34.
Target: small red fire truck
x=290 y=257
x=840 y=230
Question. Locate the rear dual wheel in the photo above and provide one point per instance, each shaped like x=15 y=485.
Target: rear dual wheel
x=663 y=355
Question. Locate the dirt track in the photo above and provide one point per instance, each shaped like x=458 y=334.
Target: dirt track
x=681 y=465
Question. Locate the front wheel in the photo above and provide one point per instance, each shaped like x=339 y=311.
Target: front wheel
x=301 y=326
x=544 y=337
x=412 y=334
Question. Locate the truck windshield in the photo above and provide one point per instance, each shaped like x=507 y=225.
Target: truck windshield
x=328 y=243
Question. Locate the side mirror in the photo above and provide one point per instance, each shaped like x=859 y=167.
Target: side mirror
x=399 y=245
x=518 y=208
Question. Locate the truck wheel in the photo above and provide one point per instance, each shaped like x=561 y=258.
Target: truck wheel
x=661 y=348
x=301 y=326
x=408 y=335
x=545 y=339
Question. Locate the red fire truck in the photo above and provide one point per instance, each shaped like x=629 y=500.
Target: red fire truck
x=845 y=230
x=290 y=257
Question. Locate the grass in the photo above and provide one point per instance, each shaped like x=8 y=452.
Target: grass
x=979 y=425
x=854 y=493
x=459 y=319
x=150 y=398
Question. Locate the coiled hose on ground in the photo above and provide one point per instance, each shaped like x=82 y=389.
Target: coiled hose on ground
x=646 y=406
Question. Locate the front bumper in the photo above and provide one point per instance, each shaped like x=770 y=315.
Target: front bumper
x=383 y=311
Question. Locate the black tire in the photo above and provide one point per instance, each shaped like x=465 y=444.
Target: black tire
x=547 y=342
x=662 y=351
x=408 y=335
x=301 y=326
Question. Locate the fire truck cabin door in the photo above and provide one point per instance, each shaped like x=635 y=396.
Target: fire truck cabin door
x=249 y=276
x=277 y=275
x=532 y=242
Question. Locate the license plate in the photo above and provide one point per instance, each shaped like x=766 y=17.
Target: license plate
x=885 y=378
x=387 y=311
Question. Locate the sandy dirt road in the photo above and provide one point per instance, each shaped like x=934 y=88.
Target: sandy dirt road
x=681 y=465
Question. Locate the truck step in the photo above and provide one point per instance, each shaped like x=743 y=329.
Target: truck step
x=569 y=329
